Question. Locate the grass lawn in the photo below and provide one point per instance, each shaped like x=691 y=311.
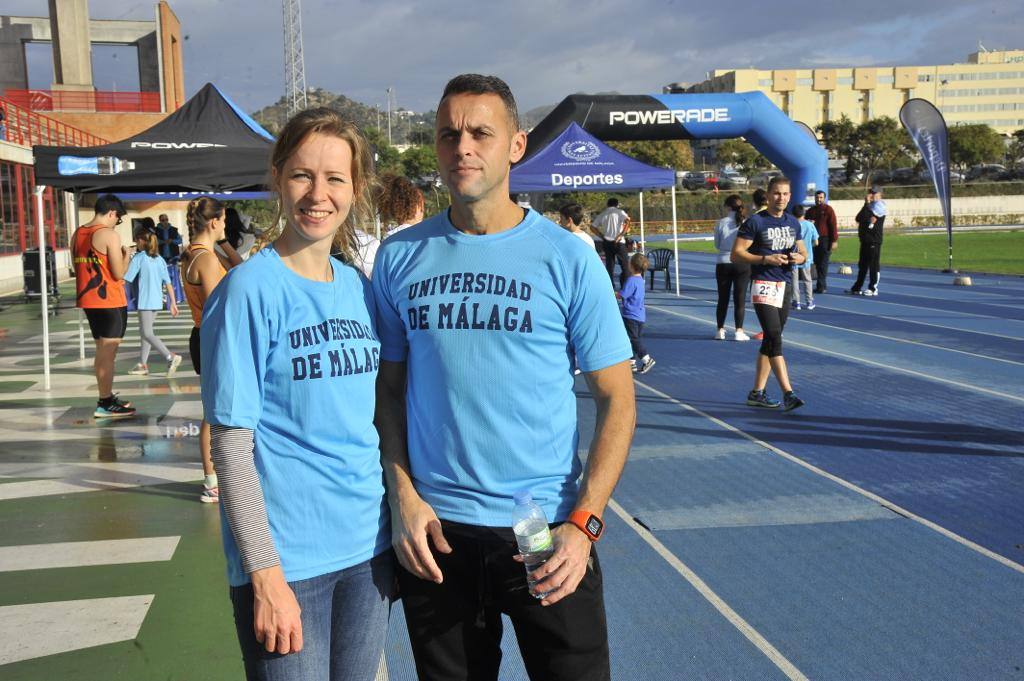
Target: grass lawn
x=995 y=252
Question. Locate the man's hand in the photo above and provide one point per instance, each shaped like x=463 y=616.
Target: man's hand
x=276 y=618
x=566 y=567
x=174 y=308
x=410 y=528
x=835 y=245
x=776 y=259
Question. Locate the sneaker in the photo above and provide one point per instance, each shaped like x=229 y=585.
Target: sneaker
x=720 y=334
x=759 y=398
x=870 y=292
x=811 y=306
x=118 y=400
x=855 y=292
x=740 y=335
x=172 y=366
x=577 y=372
x=632 y=365
x=646 y=366
x=758 y=336
x=210 y=495
x=790 y=401
x=113 y=410
x=796 y=306
x=140 y=370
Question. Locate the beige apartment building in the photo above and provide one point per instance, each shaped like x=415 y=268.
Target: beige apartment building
x=988 y=88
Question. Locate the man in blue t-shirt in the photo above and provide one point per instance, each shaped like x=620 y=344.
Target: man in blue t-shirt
x=481 y=310
x=770 y=242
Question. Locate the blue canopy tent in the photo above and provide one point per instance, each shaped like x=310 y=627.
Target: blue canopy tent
x=577 y=161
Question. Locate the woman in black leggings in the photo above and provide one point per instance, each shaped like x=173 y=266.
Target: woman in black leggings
x=731 y=277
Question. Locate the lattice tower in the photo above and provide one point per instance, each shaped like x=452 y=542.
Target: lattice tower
x=294 y=64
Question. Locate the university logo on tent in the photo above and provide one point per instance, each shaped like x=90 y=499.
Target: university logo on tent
x=581 y=150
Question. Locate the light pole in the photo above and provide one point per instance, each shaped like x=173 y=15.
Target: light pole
x=388 y=92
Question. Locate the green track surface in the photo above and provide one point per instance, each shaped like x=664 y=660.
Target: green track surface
x=992 y=252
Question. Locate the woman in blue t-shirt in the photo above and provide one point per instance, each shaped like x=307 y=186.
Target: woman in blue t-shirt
x=770 y=243
x=290 y=358
x=150 y=271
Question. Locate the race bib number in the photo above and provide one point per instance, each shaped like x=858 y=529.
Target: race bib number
x=768 y=293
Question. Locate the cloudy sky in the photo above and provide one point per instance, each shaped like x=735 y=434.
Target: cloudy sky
x=547 y=49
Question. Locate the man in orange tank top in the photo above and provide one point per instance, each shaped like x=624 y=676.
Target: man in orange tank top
x=100 y=262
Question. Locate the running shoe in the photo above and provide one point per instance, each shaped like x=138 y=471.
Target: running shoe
x=871 y=292
x=632 y=365
x=759 y=398
x=172 y=366
x=796 y=306
x=855 y=292
x=758 y=336
x=118 y=400
x=720 y=334
x=210 y=495
x=740 y=335
x=112 y=410
x=811 y=306
x=790 y=401
x=646 y=365
x=139 y=370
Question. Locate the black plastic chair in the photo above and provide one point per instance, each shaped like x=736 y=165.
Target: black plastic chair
x=660 y=259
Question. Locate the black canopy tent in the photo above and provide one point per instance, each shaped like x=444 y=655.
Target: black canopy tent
x=208 y=145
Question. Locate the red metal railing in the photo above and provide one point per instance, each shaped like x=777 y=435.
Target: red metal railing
x=92 y=100
x=27 y=128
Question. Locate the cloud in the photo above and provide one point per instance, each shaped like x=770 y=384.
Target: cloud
x=547 y=49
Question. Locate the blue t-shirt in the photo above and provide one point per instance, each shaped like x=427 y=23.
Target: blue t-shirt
x=770 y=235
x=633 y=299
x=296 y=361
x=151 y=272
x=489 y=326
x=809 y=235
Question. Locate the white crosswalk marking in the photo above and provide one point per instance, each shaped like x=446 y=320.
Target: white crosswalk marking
x=82 y=553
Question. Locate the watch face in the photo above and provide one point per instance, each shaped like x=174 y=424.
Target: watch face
x=594 y=526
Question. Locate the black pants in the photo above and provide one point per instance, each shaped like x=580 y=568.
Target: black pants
x=822 y=253
x=616 y=251
x=455 y=627
x=635 y=331
x=773 y=320
x=867 y=264
x=734 y=278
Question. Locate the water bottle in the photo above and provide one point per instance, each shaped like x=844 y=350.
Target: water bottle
x=533 y=536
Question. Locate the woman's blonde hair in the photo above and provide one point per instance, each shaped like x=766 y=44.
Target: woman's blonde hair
x=325 y=121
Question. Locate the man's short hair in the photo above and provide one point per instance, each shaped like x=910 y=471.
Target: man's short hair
x=163 y=217
x=798 y=211
x=109 y=202
x=613 y=203
x=476 y=84
x=820 y=191
x=572 y=211
x=760 y=197
x=777 y=180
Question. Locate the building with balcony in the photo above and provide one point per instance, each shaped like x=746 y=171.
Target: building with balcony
x=988 y=88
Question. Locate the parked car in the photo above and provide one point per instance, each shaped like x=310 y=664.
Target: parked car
x=985 y=171
x=692 y=180
x=903 y=176
x=730 y=179
x=762 y=178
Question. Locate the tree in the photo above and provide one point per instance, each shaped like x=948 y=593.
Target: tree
x=1015 y=151
x=741 y=154
x=973 y=144
x=421 y=136
x=419 y=162
x=675 y=154
x=879 y=143
x=840 y=138
x=387 y=159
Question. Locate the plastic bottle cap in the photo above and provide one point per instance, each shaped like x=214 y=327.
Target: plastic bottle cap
x=523 y=496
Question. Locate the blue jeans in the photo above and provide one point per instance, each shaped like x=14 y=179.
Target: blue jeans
x=344 y=625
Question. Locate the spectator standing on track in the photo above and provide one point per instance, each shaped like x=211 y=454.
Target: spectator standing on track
x=634 y=313
x=100 y=263
x=150 y=270
x=824 y=219
x=611 y=225
x=490 y=289
x=732 y=278
x=571 y=216
x=168 y=240
x=770 y=242
x=802 y=272
x=760 y=200
x=870 y=225
x=202 y=270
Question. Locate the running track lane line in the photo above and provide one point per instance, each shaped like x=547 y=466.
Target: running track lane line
x=852 y=358
x=734 y=618
x=885 y=503
x=878 y=335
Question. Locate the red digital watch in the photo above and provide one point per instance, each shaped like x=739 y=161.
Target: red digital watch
x=589 y=524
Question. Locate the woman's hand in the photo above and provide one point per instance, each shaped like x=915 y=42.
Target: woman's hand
x=276 y=618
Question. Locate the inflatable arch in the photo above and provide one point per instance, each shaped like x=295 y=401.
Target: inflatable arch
x=696 y=116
